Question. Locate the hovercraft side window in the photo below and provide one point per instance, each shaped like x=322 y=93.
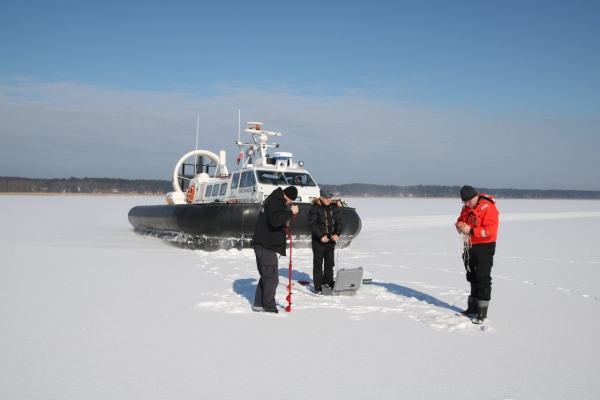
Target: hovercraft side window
x=248 y=179
x=215 y=190
x=208 y=191
x=235 y=180
x=223 y=189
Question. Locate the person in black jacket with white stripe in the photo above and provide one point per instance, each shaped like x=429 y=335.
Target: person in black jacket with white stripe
x=326 y=226
x=268 y=240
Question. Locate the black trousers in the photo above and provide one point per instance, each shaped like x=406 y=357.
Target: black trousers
x=323 y=252
x=267 y=265
x=480 y=259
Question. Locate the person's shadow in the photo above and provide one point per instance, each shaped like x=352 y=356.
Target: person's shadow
x=415 y=294
x=247 y=287
x=296 y=275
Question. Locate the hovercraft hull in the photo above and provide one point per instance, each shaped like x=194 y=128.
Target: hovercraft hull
x=214 y=226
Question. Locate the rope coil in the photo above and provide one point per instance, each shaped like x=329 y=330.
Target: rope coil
x=289 y=286
x=464 y=245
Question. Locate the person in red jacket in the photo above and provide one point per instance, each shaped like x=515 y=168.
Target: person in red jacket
x=479 y=220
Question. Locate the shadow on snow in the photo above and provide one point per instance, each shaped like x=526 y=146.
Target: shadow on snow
x=296 y=275
x=247 y=287
x=415 y=294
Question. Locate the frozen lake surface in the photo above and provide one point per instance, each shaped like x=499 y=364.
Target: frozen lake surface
x=89 y=310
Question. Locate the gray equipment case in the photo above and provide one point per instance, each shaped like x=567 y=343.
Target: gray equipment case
x=347 y=282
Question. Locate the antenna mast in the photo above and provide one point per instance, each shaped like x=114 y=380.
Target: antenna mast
x=196 y=158
x=260 y=137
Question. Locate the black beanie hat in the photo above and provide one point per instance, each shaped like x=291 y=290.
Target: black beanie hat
x=467 y=193
x=291 y=192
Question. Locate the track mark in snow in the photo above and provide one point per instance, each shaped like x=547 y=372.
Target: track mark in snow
x=564 y=290
x=384 y=265
x=555 y=215
x=548 y=259
x=448 y=271
x=374 y=227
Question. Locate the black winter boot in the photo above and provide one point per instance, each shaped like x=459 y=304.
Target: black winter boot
x=482 y=313
x=471 y=310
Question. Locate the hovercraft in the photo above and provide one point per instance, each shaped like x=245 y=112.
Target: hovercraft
x=215 y=212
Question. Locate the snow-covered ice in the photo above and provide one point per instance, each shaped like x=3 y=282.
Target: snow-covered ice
x=89 y=310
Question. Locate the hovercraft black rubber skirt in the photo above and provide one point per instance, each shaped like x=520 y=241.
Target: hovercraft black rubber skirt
x=212 y=226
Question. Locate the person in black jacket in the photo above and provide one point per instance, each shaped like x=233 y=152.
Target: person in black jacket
x=268 y=240
x=326 y=226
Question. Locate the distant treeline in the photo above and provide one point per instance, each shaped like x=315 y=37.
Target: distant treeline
x=84 y=185
x=363 y=189
x=141 y=186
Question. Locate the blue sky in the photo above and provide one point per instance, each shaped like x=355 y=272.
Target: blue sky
x=493 y=94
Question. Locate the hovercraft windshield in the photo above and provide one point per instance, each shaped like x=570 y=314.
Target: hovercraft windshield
x=284 y=178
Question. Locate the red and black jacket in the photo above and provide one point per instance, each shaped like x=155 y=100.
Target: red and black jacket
x=483 y=219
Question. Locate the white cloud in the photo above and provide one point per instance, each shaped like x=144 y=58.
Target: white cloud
x=71 y=129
